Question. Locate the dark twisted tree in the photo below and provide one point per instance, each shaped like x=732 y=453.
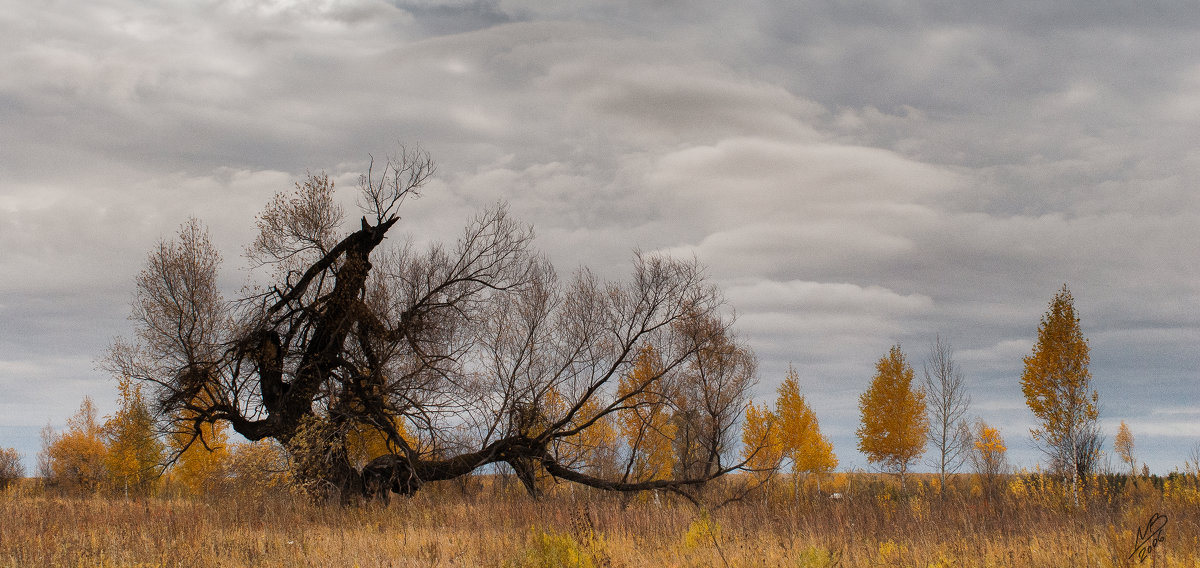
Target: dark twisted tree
x=454 y=357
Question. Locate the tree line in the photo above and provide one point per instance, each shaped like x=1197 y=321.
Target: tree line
x=125 y=454
x=901 y=417
x=378 y=367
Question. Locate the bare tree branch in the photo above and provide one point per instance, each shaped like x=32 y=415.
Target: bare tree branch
x=454 y=357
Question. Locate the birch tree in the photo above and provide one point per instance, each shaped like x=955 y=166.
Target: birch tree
x=1058 y=389
x=947 y=400
x=1123 y=444
x=800 y=433
x=894 y=422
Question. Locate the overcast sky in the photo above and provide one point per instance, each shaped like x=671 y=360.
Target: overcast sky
x=854 y=177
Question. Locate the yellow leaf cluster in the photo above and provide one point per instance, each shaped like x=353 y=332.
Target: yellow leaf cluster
x=202 y=459
x=365 y=443
x=990 y=448
x=593 y=447
x=647 y=426
x=703 y=532
x=990 y=443
x=202 y=466
x=122 y=454
x=761 y=445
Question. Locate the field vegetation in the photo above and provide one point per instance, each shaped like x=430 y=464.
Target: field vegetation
x=1024 y=520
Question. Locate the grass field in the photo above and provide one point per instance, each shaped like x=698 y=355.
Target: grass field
x=1026 y=522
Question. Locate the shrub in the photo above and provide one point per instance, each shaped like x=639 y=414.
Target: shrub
x=555 y=550
x=10 y=467
x=703 y=532
x=816 y=557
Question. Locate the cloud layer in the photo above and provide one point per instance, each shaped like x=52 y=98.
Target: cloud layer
x=852 y=177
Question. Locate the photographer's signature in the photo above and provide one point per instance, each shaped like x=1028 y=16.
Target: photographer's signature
x=1148 y=537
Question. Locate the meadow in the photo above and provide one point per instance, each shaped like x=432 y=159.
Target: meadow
x=1025 y=521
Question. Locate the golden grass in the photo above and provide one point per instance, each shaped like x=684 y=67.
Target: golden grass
x=872 y=526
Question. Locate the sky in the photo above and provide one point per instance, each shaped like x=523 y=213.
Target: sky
x=854 y=175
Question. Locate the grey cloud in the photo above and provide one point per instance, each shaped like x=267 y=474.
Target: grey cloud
x=807 y=297
x=452 y=18
x=854 y=177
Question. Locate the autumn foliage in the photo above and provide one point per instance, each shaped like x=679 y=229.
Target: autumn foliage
x=989 y=456
x=791 y=432
x=1123 y=444
x=761 y=445
x=595 y=448
x=76 y=458
x=202 y=459
x=800 y=432
x=122 y=454
x=990 y=449
x=10 y=467
x=647 y=427
x=127 y=455
x=134 y=452
x=894 y=423
x=1058 y=389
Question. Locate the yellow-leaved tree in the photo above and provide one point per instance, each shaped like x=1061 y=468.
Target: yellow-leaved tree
x=203 y=459
x=1123 y=444
x=761 y=447
x=180 y=338
x=988 y=455
x=135 y=452
x=1058 y=389
x=894 y=421
x=800 y=433
x=646 y=424
x=595 y=448
x=75 y=459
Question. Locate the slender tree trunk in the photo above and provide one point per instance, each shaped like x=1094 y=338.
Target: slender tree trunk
x=1075 y=470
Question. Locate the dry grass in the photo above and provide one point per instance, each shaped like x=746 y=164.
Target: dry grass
x=1029 y=524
